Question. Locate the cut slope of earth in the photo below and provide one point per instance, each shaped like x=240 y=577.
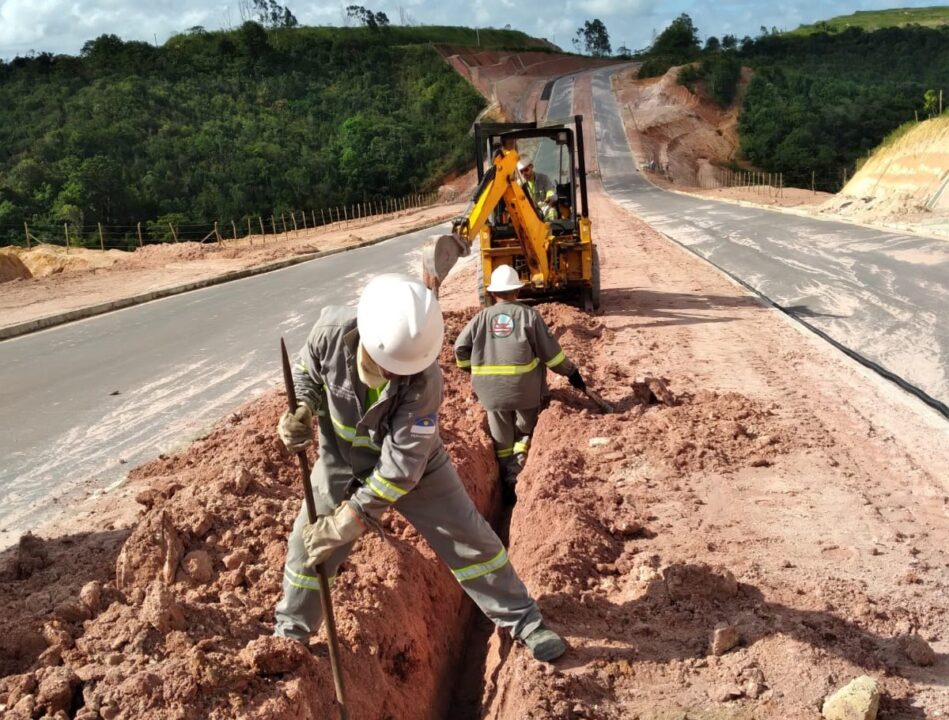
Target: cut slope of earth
x=905 y=181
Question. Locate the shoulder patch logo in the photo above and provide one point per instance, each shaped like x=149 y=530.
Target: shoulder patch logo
x=502 y=325
x=426 y=425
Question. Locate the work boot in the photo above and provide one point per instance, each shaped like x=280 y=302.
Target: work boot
x=545 y=645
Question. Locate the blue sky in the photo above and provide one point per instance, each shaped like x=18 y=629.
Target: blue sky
x=62 y=26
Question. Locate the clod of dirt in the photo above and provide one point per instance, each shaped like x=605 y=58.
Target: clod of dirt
x=858 y=700
x=57 y=689
x=161 y=611
x=154 y=550
x=918 y=650
x=274 y=655
x=242 y=480
x=91 y=595
x=699 y=582
x=724 y=638
x=197 y=564
x=31 y=556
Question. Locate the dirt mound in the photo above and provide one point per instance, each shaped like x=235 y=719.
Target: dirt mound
x=177 y=621
x=12 y=267
x=44 y=260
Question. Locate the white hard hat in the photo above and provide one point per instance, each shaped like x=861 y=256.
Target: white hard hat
x=524 y=161
x=400 y=324
x=504 y=279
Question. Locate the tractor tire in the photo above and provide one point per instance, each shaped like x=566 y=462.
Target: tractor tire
x=595 y=280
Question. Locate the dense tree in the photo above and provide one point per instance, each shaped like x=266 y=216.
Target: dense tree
x=592 y=38
x=681 y=37
x=219 y=126
x=364 y=16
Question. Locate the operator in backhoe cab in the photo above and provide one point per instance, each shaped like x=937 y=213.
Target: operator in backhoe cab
x=369 y=375
x=539 y=187
x=508 y=348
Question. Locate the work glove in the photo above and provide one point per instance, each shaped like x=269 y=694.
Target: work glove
x=330 y=532
x=576 y=380
x=296 y=428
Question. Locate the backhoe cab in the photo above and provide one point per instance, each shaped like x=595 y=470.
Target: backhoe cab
x=547 y=238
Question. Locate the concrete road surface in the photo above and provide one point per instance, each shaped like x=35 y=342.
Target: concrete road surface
x=884 y=295
x=81 y=404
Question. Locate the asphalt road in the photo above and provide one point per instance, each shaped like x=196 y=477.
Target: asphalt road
x=883 y=295
x=82 y=403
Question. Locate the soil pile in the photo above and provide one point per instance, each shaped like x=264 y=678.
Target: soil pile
x=172 y=618
x=12 y=267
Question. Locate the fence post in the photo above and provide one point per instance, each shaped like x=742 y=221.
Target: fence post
x=283 y=221
x=174 y=234
x=66 y=233
x=303 y=217
x=322 y=216
x=234 y=229
x=345 y=213
x=812 y=183
x=101 y=239
x=263 y=233
x=313 y=217
x=26 y=229
x=273 y=224
x=248 y=232
x=138 y=231
x=293 y=217
x=217 y=234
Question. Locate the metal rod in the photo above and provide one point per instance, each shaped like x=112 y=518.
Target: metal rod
x=325 y=599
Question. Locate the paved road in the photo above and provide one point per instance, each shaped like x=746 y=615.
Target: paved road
x=78 y=400
x=884 y=295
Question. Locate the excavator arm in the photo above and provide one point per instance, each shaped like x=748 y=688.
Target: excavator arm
x=499 y=183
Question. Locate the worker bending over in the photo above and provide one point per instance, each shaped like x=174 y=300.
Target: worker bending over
x=507 y=348
x=369 y=376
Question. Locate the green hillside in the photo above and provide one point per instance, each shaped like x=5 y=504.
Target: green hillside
x=223 y=125
x=816 y=102
x=869 y=20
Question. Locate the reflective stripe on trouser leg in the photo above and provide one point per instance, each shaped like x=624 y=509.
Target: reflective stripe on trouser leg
x=442 y=512
x=299 y=612
x=501 y=426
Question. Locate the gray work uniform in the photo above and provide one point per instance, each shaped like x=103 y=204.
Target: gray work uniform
x=507 y=348
x=392 y=446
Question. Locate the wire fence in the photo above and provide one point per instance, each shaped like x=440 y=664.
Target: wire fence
x=265 y=228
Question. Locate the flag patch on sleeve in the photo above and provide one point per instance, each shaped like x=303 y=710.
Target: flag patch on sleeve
x=425 y=425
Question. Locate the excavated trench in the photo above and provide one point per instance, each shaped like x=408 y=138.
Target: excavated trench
x=172 y=617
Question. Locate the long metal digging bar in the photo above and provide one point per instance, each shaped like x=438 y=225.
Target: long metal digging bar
x=599 y=401
x=325 y=599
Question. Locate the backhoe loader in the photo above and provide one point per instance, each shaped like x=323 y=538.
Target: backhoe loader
x=547 y=240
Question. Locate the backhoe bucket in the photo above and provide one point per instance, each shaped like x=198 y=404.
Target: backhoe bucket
x=439 y=256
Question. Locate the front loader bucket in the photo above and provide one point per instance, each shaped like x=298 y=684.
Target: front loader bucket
x=439 y=256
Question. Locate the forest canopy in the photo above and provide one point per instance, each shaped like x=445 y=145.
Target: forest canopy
x=229 y=124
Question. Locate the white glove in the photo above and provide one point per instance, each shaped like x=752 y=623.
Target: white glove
x=330 y=532
x=296 y=429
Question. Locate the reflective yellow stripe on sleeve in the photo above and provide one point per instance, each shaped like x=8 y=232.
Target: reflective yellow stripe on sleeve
x=348 y=434
x=463 y=363
x=383 y=488
x=478 y=569
x=504 y=369
x=556 y=360
x=521 y=447
x=504 y=452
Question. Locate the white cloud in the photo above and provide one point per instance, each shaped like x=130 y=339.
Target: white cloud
x=63 y=26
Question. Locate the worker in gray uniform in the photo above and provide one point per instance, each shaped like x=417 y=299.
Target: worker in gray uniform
x=369 y=376
x=508 y=348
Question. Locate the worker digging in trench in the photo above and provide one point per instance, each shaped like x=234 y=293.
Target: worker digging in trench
x=508 y=348
x=370 y=378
